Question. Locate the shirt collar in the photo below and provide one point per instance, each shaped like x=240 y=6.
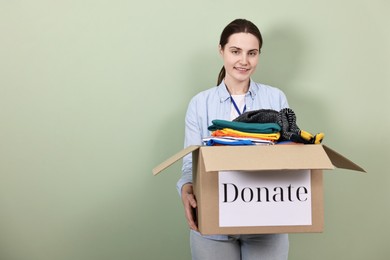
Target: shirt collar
x=225 y=95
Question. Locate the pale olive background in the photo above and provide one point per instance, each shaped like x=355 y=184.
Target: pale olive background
x=93 y=95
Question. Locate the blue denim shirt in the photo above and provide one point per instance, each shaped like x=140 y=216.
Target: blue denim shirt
x=215 y=103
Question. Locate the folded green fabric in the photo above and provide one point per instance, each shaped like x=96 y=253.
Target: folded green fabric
x=264 y=128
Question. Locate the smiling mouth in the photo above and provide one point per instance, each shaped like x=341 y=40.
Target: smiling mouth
x=241 y=69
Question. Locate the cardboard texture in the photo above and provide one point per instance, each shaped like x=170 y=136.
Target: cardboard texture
x=209 y=160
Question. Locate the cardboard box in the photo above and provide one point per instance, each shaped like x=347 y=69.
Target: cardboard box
x=211 y=164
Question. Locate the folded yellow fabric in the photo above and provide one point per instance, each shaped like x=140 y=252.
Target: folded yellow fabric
x=235 y=133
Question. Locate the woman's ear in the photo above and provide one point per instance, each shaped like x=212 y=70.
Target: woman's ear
x=220 y=49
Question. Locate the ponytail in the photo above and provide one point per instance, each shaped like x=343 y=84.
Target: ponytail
x=221 y=75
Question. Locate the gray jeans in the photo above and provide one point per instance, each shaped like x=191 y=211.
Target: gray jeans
x=240 y=247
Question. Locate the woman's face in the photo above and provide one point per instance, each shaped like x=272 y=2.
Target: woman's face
x=240 y=56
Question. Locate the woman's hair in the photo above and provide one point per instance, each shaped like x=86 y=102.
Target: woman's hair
x=237 y=26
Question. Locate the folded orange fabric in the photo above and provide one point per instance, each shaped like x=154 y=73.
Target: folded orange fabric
x=235 y=133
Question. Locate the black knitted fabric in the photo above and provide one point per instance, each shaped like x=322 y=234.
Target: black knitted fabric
x=285 y=118
x=259 y=116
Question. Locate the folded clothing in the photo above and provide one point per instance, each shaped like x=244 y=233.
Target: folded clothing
x=216 y=141
x=236 y=133
x=264 y=128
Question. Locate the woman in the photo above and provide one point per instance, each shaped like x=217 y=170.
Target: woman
x=235 y=93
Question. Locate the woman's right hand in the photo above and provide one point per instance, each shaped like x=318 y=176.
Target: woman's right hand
x=189 y=203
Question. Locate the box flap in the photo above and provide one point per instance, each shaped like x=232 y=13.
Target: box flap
x=162 y=166
x=340 y=161
x=272 y=157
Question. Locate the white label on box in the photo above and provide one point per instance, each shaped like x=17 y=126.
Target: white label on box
x=264 y=198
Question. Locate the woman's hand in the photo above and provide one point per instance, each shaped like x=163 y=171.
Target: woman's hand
x=189 y=203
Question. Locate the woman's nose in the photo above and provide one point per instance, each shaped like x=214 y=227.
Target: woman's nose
x=244 y=59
